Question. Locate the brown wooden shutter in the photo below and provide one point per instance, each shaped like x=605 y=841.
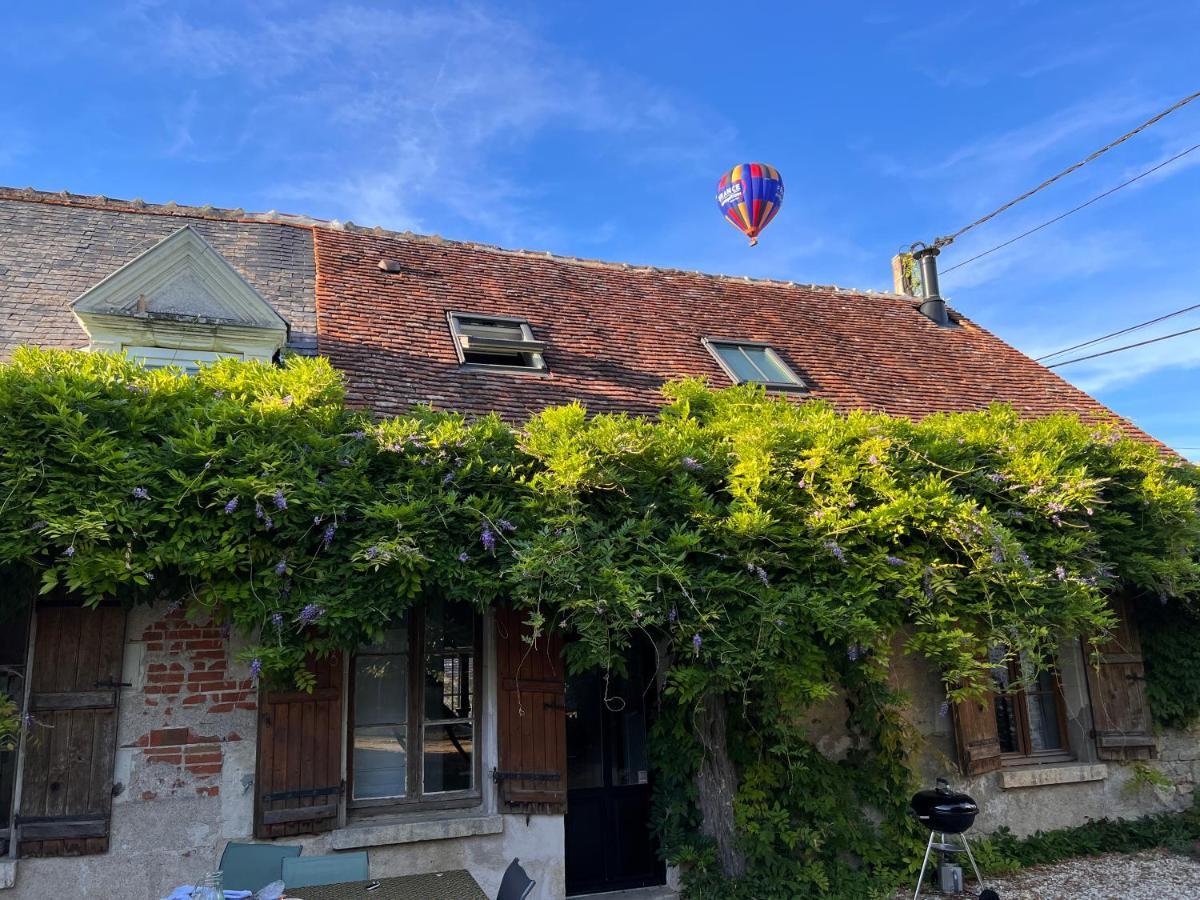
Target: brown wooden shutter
x=531 y=718
x=68 y=752
x=1120 y=711
x=977 y=735
x=299 y=784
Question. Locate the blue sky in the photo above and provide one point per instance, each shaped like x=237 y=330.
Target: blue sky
x=600 y=129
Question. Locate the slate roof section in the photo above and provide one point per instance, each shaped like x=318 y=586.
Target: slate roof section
x=53 y=247
x=615 y=333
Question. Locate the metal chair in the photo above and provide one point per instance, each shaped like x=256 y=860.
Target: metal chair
x=311 y=871
x=251 y=867
x=515 y=885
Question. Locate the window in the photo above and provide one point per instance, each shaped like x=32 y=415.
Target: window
x=413 y=722
x=753 y=361
x=188 y=360
x=1030 y=713
x=495 y=343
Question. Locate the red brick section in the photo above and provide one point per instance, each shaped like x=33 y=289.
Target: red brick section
x=187 y=677
x=615 y=333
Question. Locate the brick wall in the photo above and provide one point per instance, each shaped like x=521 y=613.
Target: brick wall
x=190 y=711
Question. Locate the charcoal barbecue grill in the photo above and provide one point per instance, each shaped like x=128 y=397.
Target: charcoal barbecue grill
x=947 y=812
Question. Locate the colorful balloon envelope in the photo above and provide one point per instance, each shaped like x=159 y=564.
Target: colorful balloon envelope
x=750 y=195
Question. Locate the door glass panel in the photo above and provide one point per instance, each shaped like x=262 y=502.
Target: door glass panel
x=448 y=752
x=585 y=732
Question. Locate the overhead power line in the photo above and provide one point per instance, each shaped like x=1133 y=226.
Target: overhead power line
x=1067 y=362
x=1069 y=212
x=950 y=238
x=1105 y=337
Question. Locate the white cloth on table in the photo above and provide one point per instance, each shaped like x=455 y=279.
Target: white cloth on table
x=184 y=892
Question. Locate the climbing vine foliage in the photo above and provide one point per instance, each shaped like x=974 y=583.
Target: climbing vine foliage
x=774 y=555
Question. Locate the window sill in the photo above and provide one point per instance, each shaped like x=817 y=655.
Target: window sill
x=1044 y=776
x=413 y=828
x=8 y=874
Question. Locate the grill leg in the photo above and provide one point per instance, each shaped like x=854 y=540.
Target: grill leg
x=924 y=863
x=971 y=857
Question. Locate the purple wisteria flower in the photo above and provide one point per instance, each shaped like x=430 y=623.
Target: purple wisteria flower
x=231 y=506
x=1024 y=558
x=1060 y=573
x=1056 y=520
x=358 y=435
x=447 y=479
x=873 y=459
x=464 y=557
x=927 y=583
x=487 y=537
x=281 y=567
x=286 y=400
x=995 y=478
x=893 y=560
x=317 y=520
x=692 y=464
x=327 y=534
x=268 y=523
x=505 y=525
x=944 y=709
x=140 y=493
x=696 y=642
x=673 y=615
x=259 y=512
x=345 y=461
x=69 y=552
x=802 y=484
x=28 y=720
x=854 y=652
x=149 y=576
x=758 y=572
x=280 y=500
x=998 y=554
x=277 y=620
x=38 y=525
x=372 y=552
x=838 y=553
x=311 y=613
x=255 y=668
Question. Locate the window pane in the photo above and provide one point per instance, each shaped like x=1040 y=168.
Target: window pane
x=772 y=372
x=380 y=762
x=381 y=717
x=1007 y=726
x=449 y=626
x=1044 y=733
x=490 y=328
x=737 y=361
x=448 y=753
x=449 y=685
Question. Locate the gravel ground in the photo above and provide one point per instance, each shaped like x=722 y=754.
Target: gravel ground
x=1151 y=875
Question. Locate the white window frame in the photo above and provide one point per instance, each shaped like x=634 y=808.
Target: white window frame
x=711 y=344
x=180 y=357
x=528 y=344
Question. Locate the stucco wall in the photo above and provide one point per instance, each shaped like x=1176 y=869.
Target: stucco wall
x=184 y=786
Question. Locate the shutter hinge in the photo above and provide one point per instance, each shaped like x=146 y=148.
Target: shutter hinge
x=498 y=776
x=109 y=683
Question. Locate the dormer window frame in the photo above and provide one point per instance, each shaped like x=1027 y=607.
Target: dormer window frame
x=467 y=343
x=796 y=386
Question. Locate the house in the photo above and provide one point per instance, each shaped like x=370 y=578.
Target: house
x=157 y=747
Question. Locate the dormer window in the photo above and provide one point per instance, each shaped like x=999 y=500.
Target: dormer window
x=495 y=342
x=754 y=361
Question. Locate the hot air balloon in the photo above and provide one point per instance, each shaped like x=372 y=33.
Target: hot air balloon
x=750 y=195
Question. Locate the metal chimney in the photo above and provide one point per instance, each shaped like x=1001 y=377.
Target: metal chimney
x=933 y=307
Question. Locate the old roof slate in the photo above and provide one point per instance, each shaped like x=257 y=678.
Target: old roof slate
x=55 y=247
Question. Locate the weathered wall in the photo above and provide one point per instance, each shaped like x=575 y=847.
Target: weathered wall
x=184 y=786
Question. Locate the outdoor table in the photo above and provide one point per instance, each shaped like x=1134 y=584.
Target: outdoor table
x=454 y=885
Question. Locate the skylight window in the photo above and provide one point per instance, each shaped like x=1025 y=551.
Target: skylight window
x=495 y=342
x=756 y=362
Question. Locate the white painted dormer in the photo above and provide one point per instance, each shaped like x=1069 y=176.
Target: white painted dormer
x=180 y=303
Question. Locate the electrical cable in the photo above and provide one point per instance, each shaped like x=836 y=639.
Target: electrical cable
x=1139 y=325
x=1069 y=212
x=1067 y=362
x=950 y=238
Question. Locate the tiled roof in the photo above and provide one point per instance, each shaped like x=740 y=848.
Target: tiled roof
x=615 y=333
x=53 y=247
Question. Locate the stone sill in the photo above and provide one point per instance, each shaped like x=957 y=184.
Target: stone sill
x=382 y=833
x=1044 y=776
x=8 y=873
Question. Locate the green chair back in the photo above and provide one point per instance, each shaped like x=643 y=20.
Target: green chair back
x=310 y=871
x=251 y=867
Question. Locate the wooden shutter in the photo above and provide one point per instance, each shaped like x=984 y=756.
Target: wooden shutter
x=1120 y=711
x=67 y=754
x=531 y=719
x=977 y=736
x=298 y=788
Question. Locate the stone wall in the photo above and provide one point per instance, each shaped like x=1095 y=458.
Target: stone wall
x=184 y=786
